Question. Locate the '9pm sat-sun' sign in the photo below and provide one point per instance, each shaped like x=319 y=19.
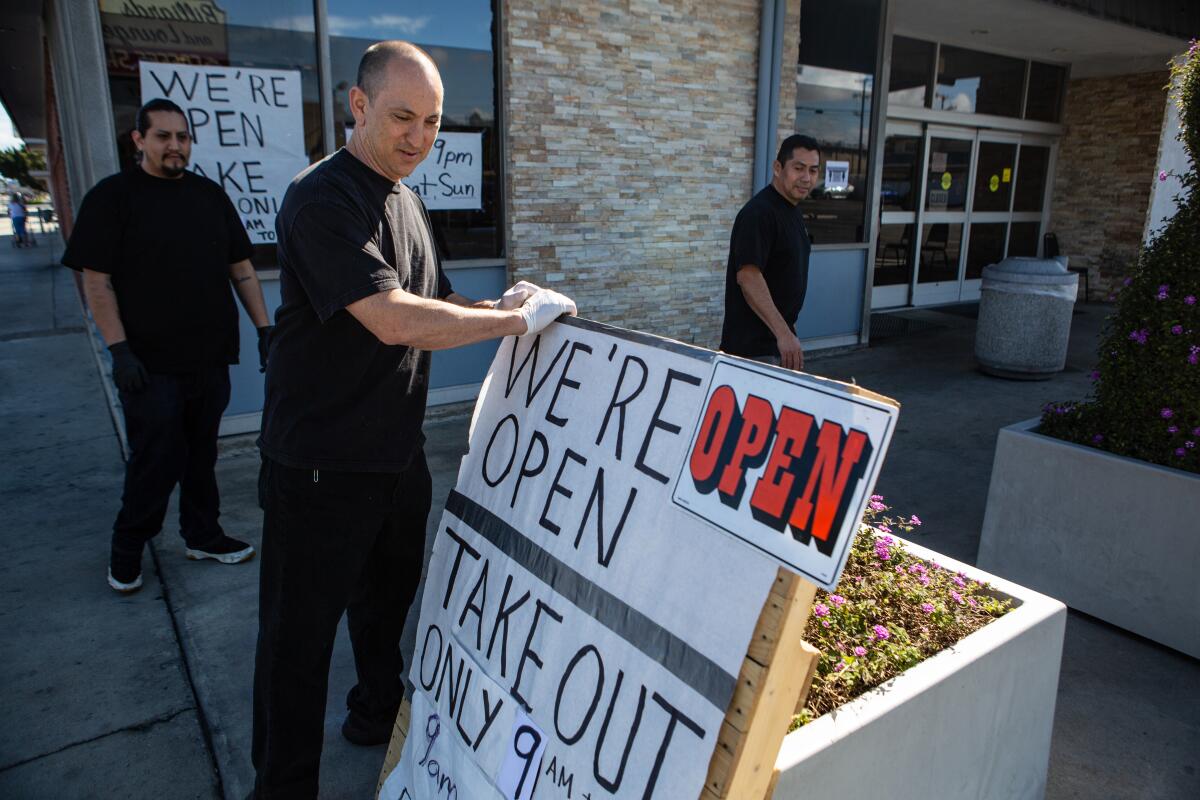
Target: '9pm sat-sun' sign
x=778 y=461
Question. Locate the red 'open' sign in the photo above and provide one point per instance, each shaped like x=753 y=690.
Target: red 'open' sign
x=786 y=463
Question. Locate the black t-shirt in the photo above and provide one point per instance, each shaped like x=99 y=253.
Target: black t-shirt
x=769 y=233
x=337 y=397
x=168 y=244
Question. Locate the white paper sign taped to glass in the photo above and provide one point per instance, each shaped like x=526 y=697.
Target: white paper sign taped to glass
x=247 y=132
x=451 y=176
x=580 y=636
x=786 y=463
x=837 y=175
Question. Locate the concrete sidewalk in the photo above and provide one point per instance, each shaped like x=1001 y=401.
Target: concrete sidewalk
x=149 y=696
x=96 y=700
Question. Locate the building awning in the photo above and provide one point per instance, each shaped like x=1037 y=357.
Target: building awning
x=22 y=72
x=1061 y=31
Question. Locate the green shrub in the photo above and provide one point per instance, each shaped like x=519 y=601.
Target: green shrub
x=1145 y=401
x=891 y=611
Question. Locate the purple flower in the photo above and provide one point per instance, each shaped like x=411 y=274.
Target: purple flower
x=1127 y=281
x=860 y=651
x=1162 y=292
x=971 y=602
x=1176 y=329
x=1139 y=335
x=825 y=623
x=838 y=667
x=875 y=505
x=956 y=597
x=1194 y=354
x=837 y=600
x=927 y=608
x=883 y=527
x=1190 y=299
x=958 y=581
x=1180 y=452
x=1195 y=431
x=1172 y=429
x=1162 y=176
x=1166 y=413
x=899 y=570
x=917 y=569
x=923 y=580
x=1095 y=375
x=1189 y=444
x=881 y=633
x=915 y=521
x=821 y=610
x=1098 y=438
x=876 y=498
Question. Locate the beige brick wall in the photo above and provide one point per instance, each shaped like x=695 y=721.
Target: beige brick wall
x=630 y=147
x=1106 y=167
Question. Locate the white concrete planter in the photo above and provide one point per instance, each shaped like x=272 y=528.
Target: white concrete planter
x=972 y=721
x=1114 y=537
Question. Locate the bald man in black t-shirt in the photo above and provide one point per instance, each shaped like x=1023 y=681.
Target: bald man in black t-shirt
x=344 y=484
x=767 y=273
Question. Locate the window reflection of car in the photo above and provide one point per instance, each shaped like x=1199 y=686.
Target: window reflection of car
x=820 y=191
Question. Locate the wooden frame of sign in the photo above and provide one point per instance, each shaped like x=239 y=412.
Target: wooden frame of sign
x=772 y=685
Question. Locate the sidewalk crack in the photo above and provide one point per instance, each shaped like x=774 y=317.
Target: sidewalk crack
x=137 y=727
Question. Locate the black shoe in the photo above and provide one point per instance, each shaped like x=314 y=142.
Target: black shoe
x=227 y=550
x=364 y=732
x=125 y=578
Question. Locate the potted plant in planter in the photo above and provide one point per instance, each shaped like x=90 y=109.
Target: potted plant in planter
x=1094 y=503
x=935 y=679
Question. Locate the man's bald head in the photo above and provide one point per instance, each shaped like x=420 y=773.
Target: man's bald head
x=379 y=57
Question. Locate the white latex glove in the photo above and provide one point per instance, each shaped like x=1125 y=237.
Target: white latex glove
x=517 y=295
x=543 y=307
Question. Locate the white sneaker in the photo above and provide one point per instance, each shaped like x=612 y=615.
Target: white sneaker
x=226 y=550
x=123 y=587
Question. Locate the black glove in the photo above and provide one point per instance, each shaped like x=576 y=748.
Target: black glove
x=128 y=372
x=264 y=346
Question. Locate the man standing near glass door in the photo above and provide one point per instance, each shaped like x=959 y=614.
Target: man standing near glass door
x=767 y=272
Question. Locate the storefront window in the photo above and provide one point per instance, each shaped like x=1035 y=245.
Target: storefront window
x=1023 y=240
x=912 y=68
x=258 y=34
x=458 y=34
x=978 y=83
x=941 y=243
x=986 y=248
x=834 y=93
x=994 y=176
x=949 y=169
x=901 y=172
x=1031 y=178
x=1047 y=84
x=893 y=255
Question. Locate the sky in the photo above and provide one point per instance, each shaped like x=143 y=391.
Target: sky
x=8 y=137
x=450 y=23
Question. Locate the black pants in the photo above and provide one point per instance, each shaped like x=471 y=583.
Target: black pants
x=333 y=542
x=172 y=428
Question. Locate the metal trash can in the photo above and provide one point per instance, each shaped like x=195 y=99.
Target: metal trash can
x=1025 y=310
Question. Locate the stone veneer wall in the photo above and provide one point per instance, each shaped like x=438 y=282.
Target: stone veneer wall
x=630 y=148
x=1105 y=172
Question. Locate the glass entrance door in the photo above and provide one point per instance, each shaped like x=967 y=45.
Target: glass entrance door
x=954 y=200
x=900 y=194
